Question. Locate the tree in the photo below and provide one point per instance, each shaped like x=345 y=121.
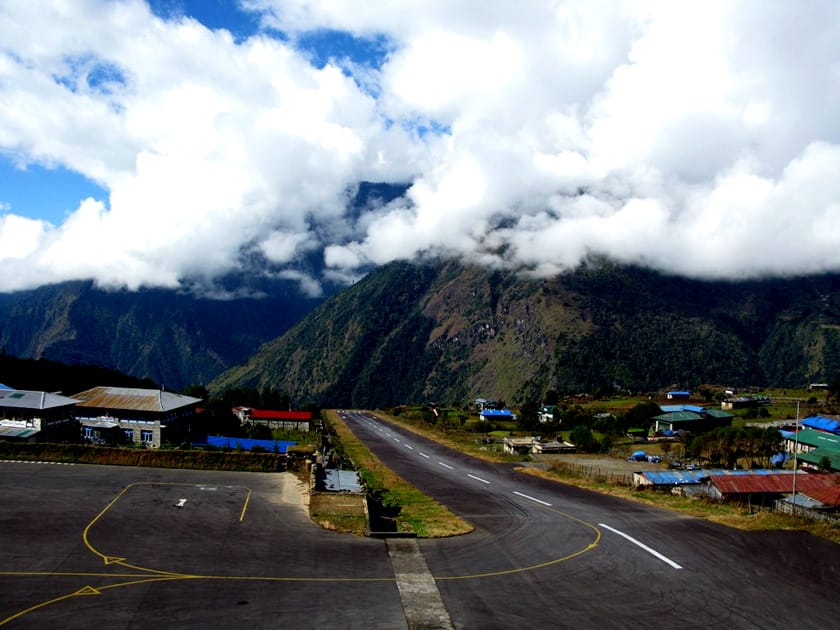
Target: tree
x=834 y=390
x=583 y=438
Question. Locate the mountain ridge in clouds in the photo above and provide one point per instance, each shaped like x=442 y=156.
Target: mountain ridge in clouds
x=409 y=333
x=704 y=137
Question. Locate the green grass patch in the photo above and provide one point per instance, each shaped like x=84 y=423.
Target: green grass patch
x=417 y=513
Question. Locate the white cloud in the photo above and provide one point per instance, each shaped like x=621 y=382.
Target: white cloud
x=682 y=135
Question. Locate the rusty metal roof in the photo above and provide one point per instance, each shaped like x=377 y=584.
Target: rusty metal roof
x=779 y=484
x=133 y=399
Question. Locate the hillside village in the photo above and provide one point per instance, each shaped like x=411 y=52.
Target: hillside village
x=103 y=415
x=801 y=473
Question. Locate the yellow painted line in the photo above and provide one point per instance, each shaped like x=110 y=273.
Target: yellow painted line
x=122 y=561
x=85 y=591
x=245 y=507
x=540 y=565
x=68 y=574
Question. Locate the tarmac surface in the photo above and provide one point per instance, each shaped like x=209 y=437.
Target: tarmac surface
x=123 y=547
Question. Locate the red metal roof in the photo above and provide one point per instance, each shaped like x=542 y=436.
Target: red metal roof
x=270 y=414
x=830 y=495
x=781 y=483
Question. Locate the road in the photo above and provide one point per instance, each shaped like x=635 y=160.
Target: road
x=551 y=555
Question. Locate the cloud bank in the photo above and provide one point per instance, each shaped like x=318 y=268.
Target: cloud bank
x=696 y=138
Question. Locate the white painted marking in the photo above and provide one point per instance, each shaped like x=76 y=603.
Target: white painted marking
x=447 y=466
x=409 y=447
x=424 y=455
x=477 y=478
x=525 y=496
x=181 y=503
x=396 y=440
x=652 y=552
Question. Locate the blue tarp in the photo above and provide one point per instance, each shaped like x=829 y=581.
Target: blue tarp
x=822 y=424
x=272 y=446
x=674 y=477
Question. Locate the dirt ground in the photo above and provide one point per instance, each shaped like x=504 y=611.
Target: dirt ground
x=602 y=463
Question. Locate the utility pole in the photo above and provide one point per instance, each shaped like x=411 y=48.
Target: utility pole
x=795 y=453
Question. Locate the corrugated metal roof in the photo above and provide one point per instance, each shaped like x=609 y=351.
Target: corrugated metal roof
x=17 y=432
x=270 y=414
x=674 y=477
x=717 y=413
x=496 y=412
x=26 y=399
x=821 y=423
x=342 y=480
x=815 y=457
x=812 y=437
x=678 y=416
x=829 y=495
x=777 y=484
x=133 y=399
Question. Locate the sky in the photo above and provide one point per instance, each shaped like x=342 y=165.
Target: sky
x=172 y=142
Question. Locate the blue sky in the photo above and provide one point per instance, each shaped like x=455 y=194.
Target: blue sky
x=681 y=136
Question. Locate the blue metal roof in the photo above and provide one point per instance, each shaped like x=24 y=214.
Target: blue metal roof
x=823 y=424
x=496 y=412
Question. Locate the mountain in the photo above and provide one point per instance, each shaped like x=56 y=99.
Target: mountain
x=444 y=332
x=175 y=337
x=169 y=337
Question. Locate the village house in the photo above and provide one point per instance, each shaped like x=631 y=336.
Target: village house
x=145 y=416
x=275 y=419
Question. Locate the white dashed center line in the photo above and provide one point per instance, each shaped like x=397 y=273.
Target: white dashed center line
x=530 y=498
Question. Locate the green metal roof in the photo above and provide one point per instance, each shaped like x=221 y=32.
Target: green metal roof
x=814 y=457
x=679 y=416
x=810 y=437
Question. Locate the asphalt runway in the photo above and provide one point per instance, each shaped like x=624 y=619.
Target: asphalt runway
x=548 y=555
x=120 y=547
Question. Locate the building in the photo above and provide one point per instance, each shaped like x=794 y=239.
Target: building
x=678 y=395
x=495 y=415
x=690 y=418
x=518 y=445
x=821 y=423
x=547 y=413
x=147 y=416
x=275 y=419
x=31 y=415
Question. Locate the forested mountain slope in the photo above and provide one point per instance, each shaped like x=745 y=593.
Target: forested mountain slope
x=448 y=333
x=170 y=337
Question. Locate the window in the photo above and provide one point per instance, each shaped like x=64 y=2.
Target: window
x=129 y=434
x=88 y=433
x=146 y=436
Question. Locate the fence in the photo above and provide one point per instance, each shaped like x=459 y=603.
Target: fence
x=593 y=473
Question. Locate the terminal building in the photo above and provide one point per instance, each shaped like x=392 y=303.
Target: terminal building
x=147 y=416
